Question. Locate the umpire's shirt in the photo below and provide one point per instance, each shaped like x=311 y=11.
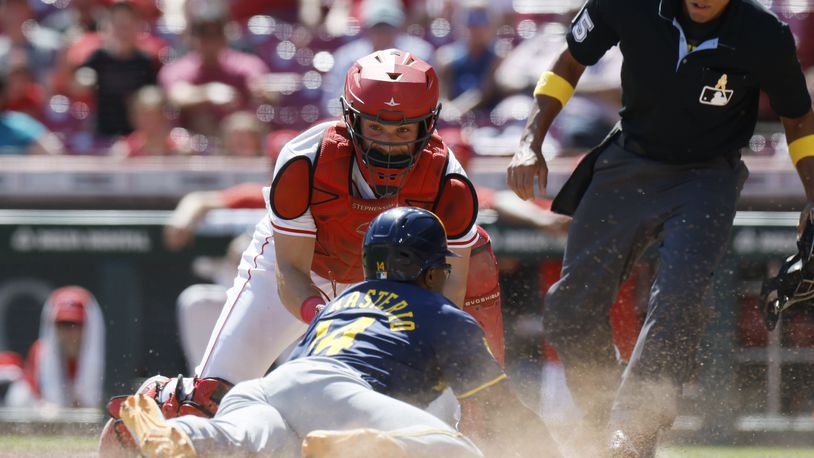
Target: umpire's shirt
x=684 y=106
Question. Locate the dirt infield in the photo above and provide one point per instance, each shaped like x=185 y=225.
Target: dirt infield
x=30 y=446
x=83 y=446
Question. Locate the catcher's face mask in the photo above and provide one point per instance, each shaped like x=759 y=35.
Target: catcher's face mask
x=794 y=283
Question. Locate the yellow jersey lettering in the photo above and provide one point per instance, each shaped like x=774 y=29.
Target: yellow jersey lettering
x=397 y=306
x=351 y=300
x=366 y=301
x=402 y=326
x=397 y=324
x=336 y=305
x=390 y=297
x=381 y=295
x=400 y=316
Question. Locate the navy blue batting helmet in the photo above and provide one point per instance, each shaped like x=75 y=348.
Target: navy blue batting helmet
x=403 y=242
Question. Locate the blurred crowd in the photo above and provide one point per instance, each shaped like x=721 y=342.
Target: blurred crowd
x=137 y=78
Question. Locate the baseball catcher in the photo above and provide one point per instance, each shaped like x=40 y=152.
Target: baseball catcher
x=794 y=283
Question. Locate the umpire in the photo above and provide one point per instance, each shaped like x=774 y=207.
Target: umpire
x=670 y=172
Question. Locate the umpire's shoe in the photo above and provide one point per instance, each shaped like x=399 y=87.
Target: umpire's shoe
x=625 y=445
x=155 y=438
x=355 y=443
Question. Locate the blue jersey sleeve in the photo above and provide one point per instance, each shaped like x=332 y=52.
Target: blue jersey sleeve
x=591 y=33
x=464 y=358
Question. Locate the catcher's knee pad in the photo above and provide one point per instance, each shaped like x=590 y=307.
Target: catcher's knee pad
x=483 y=293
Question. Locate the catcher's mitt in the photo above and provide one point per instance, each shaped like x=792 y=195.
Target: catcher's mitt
x=794 y=283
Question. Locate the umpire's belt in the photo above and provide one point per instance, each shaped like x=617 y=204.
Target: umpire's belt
x=627 y=142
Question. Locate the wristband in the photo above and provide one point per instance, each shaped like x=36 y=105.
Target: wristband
x=310 y=307
x=802 y=147
x=554 y=85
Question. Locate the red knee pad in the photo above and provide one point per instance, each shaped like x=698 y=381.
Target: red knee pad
x=482 y=299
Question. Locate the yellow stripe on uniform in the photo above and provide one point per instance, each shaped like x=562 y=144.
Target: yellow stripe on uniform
x=485 y=385
x=554 y=85
x=802 y=147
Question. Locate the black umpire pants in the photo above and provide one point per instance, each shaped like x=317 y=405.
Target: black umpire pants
x=631 y=203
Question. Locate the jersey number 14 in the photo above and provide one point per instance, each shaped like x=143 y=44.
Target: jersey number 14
x=330 y=342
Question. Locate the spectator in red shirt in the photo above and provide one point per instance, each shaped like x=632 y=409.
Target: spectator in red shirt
x=65 y=366
x=211 y=80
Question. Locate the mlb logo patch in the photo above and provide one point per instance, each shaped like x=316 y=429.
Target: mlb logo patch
x=716 y=96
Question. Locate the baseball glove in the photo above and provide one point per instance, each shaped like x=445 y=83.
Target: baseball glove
x=794 y=283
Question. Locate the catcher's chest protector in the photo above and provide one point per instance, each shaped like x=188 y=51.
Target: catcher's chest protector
x=342 y=219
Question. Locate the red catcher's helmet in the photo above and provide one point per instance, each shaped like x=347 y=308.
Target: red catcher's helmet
x=389 y=87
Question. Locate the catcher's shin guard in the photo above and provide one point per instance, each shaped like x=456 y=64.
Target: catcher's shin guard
x=199 y=397
x=482 y=299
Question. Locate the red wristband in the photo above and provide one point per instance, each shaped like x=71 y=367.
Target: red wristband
x=310 y=308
